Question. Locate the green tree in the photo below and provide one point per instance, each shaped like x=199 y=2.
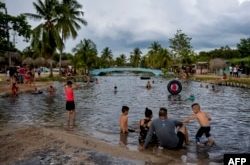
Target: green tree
x=244 y=47
x=46 y=35
x=121 y=60
x=70 y=20
x=181 y=48
x=135 y=57
x=86 y=54
x=106 y=57
x=17 y=24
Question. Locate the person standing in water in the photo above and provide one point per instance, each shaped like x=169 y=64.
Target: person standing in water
x=70 y=103
x=204 y=120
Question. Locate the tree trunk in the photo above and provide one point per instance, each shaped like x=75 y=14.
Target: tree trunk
x=51 y=69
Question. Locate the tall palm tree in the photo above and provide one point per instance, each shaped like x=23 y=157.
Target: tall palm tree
x=107 y=57
x=155 y=47
x=87 y=53
x=135 y=57
x=69 y=21
x=46 y=35
x=121 y=60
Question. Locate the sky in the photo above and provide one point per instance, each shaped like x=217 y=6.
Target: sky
x=124 y=25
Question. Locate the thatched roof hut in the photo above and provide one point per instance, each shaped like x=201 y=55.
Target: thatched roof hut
x=217 y=63
x=28 y=61
x=40 y=61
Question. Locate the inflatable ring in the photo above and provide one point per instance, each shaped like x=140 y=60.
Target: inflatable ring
x=174 y=87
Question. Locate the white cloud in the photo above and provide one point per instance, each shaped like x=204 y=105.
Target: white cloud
x=124 y=25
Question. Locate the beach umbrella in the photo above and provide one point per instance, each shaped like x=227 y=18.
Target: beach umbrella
x=28 y=61
x=40 y=61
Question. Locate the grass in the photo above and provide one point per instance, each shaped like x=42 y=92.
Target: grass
x=215 y=79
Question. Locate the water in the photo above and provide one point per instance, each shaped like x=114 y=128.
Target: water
x=98 y=108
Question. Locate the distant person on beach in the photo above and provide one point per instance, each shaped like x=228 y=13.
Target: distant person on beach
x=115 y=88
x=230 y=70
x=165 y=130
x=148 y=86
x=204 y=120
x=144 y=125
x=70 y=103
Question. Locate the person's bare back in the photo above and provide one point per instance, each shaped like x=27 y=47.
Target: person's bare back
x=203 y=118
x=124 y=123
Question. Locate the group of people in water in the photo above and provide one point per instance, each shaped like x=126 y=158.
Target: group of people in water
x=162 y=131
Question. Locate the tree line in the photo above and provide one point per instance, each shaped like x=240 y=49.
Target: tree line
x=62 y=19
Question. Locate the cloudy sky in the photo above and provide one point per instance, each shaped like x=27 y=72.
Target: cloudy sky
x=123 y=25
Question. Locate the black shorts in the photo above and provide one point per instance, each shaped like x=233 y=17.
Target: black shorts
x=181 y=137
x=70 y=105
x=203 y=130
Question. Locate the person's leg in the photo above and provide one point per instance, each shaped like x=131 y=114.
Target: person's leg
x=68 y=121
x=210 y=141
x=199 y=135
x=184 y=130
x=73 y=117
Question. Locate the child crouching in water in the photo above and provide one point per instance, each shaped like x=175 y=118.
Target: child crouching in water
x=204 y=120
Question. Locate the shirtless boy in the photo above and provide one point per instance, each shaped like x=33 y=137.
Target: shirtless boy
x=204 y=120
x=124 y=120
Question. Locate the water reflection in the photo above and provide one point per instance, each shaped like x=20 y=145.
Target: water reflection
x=98 y=109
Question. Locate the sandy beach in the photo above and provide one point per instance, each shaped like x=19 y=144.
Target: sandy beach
x=36 y=145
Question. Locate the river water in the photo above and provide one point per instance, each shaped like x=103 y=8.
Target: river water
x=98 y=108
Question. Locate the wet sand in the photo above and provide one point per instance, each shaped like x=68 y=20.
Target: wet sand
x=36 y=145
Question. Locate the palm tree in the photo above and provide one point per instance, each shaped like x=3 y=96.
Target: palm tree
x=70 y=21
x=155 y=47
x=135 y=57
x=46 y=35
x=87 y=53
x=121 y=60
x=107 y=57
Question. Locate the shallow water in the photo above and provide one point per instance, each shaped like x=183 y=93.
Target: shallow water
x=98 y=109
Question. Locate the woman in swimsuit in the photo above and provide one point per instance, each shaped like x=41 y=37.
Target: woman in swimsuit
x=144 y=127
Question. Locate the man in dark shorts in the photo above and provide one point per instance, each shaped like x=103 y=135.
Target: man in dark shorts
x=164 y=129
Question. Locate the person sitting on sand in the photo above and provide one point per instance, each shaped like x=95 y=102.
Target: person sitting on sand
x=144 y=125
x=148 y=86
x=204 y=120
x=165 y=130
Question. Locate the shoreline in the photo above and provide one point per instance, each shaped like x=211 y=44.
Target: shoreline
x=33 y=145
x=230 y=81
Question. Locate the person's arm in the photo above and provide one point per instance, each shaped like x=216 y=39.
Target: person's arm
x=188 y=119
x=178 y=123
x=208 y=116
x=149 y=135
